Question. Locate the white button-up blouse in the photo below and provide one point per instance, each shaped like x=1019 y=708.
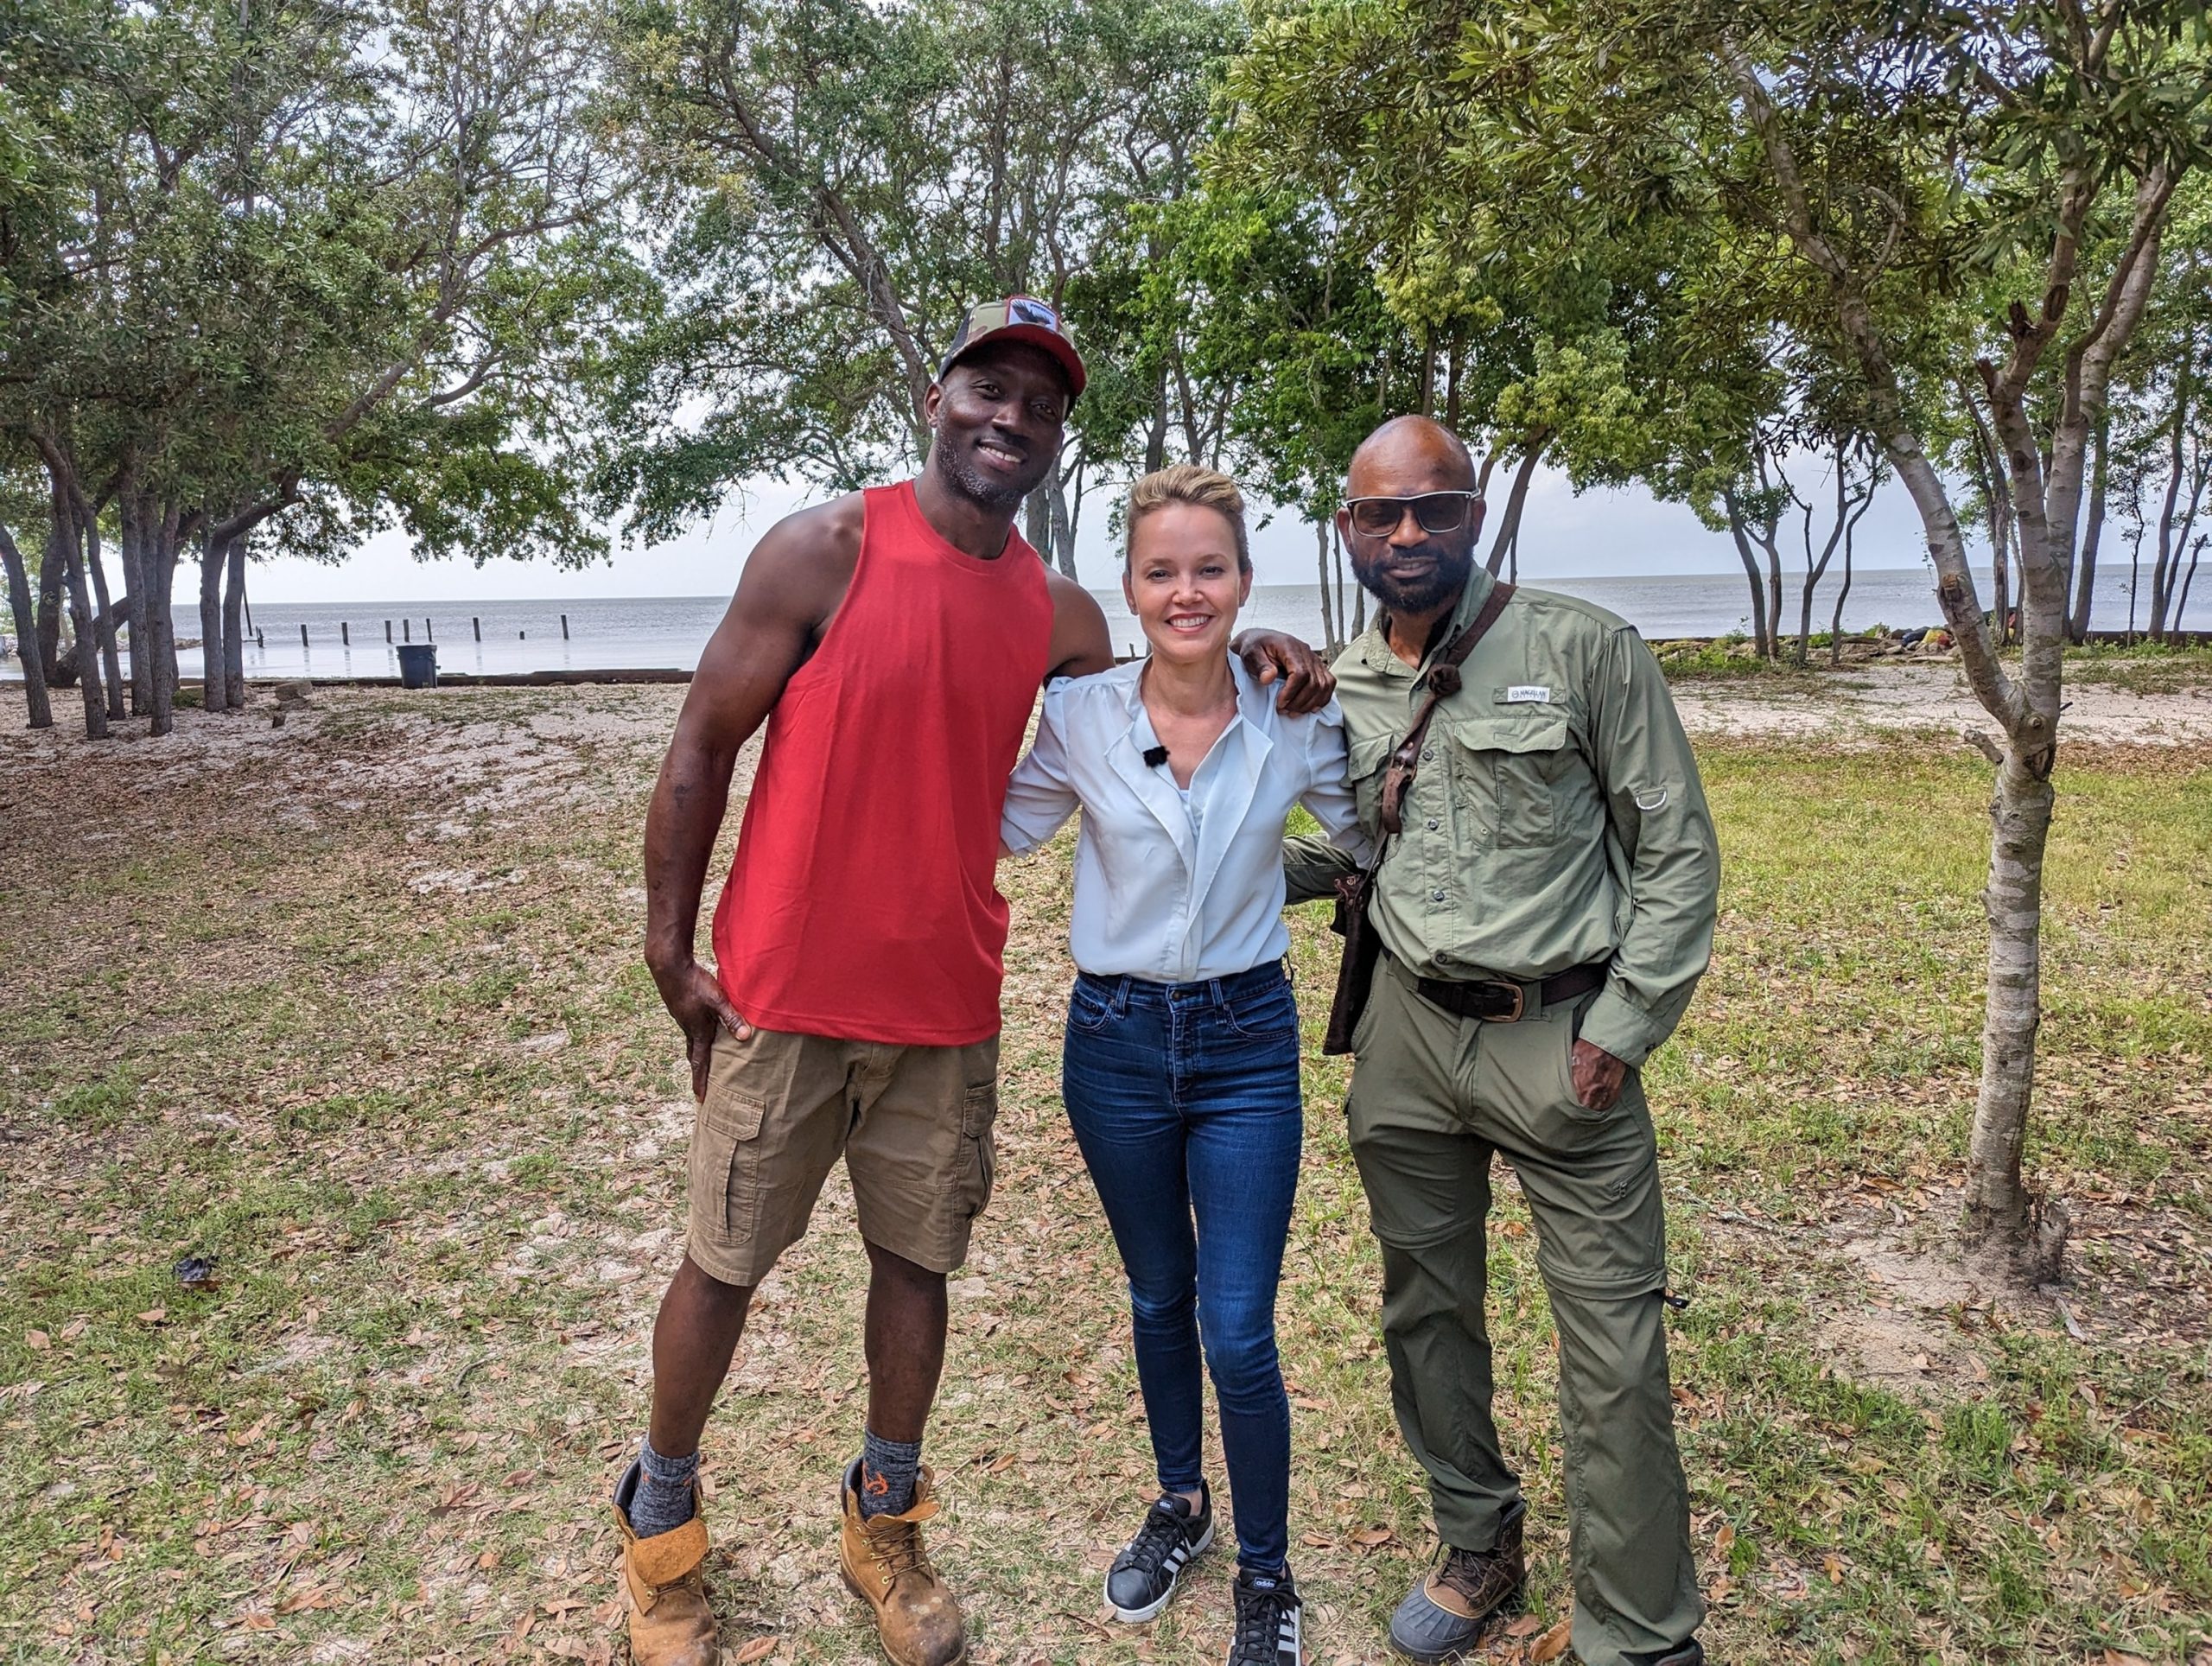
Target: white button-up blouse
x=1170 y=887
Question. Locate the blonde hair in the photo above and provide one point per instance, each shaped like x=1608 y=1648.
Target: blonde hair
x=1188 y=483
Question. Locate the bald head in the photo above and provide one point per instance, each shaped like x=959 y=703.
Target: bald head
x=1411 y=571
x=1408 y=455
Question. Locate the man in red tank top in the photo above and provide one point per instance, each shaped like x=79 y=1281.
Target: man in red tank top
x=894 y=642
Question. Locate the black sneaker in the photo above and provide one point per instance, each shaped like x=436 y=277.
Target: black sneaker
x=1269 y=1613
x=1143 y=1576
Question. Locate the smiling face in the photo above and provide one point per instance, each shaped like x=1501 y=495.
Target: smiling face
x=1411 y=570
x=1182 y=582
x=999 y=415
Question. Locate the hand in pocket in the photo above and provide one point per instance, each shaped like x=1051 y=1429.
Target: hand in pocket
x=1597 y=1076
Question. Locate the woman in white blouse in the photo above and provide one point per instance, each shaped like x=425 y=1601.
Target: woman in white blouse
x=1180 y=1073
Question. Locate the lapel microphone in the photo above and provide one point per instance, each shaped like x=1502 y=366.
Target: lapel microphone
x=1154 y=757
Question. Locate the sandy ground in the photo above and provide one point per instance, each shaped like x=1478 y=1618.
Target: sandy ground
x=1866 y=701
x=1880 y=698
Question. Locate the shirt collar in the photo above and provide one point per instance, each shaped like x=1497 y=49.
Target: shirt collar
x=1252 y=697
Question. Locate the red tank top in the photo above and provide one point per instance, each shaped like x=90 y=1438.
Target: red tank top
x=863 y=901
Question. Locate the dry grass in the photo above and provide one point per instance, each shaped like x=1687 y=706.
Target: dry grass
x=354 y=1007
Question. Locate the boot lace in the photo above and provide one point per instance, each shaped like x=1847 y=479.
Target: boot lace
x=1481 y=1576
x=897 y=1549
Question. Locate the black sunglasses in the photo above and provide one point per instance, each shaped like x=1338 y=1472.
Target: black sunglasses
x=1436 y=512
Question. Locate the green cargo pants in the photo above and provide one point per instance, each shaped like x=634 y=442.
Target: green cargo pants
x=1432 y=1096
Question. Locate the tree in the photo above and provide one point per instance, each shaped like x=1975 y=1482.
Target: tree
x=294 y=253
x=851 y=177
x=1533 y=344
x=2162 y=414
x=1881 y=159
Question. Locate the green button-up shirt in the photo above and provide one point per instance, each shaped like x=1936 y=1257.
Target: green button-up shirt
x=1557 y=819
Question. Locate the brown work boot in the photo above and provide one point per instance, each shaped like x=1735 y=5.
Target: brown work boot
x=916 y=1614
x=1446 y=1616
x=670 y=1624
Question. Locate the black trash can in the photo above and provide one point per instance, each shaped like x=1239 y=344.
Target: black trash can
x=418 y=665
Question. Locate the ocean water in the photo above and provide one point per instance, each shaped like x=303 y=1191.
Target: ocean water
x=668 y=632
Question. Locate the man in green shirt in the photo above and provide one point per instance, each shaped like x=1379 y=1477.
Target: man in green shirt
x=1545 y=912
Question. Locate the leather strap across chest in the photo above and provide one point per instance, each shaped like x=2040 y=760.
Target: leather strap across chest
x=1443 y=683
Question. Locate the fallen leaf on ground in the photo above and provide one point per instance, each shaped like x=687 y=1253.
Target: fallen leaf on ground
x=759 y=1649
x=1552 y=1644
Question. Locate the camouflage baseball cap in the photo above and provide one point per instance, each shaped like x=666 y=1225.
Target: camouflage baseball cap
x=1018 y=318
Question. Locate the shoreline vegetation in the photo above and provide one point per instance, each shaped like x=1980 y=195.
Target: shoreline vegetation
x=344 y=1165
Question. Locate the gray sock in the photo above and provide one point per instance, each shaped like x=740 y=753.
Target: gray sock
x=888 y=1469
x=664 y=1499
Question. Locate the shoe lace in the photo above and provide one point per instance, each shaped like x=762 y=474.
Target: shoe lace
x=897 y=1549
x=1259 y=1625
x=1161 y=1532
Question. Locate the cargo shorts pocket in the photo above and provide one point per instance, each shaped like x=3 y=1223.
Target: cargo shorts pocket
x=979 y=1116
x=725 y=1142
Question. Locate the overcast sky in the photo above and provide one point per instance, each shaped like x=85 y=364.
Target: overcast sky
x=1599 y=534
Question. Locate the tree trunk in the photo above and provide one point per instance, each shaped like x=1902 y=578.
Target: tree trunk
x=2085 y=564
x=104 y=623
x=80 y=618
x=1036 y=524
x=2019 y=813
x=1059 y=527
x=131 y=551
x=159 y=556
x=212 y=556
x=2000 y=574
x=1760 y=640
x=36 y=697
x=2189 y=579
x=1516 y=498
x=1842 y=594
x=234 y=625
x=52 y=587
x=1357 y=590
x=1328 y=611
x=2168 y=556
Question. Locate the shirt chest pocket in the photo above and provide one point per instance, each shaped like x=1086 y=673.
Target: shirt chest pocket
x=1512 y=772
x=1365 y=767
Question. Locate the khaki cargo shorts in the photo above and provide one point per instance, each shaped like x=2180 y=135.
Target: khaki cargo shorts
x=913 y=1124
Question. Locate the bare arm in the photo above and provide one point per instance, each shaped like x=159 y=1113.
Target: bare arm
x=1080 y=644
x=792 y=586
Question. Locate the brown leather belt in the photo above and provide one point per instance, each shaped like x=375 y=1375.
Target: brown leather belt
x=1501 y=1002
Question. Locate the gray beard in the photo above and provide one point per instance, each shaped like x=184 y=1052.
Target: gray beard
x=972 y=484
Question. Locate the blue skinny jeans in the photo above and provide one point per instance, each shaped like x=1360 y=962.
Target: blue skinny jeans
x=1184 y=1102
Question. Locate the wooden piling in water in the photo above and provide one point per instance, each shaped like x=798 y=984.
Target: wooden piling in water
x=564 y=627
x=345 y=635
x=387 y=630
x=303 y=633
x=427 y=636
x=406 y=631
x=477 y=625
